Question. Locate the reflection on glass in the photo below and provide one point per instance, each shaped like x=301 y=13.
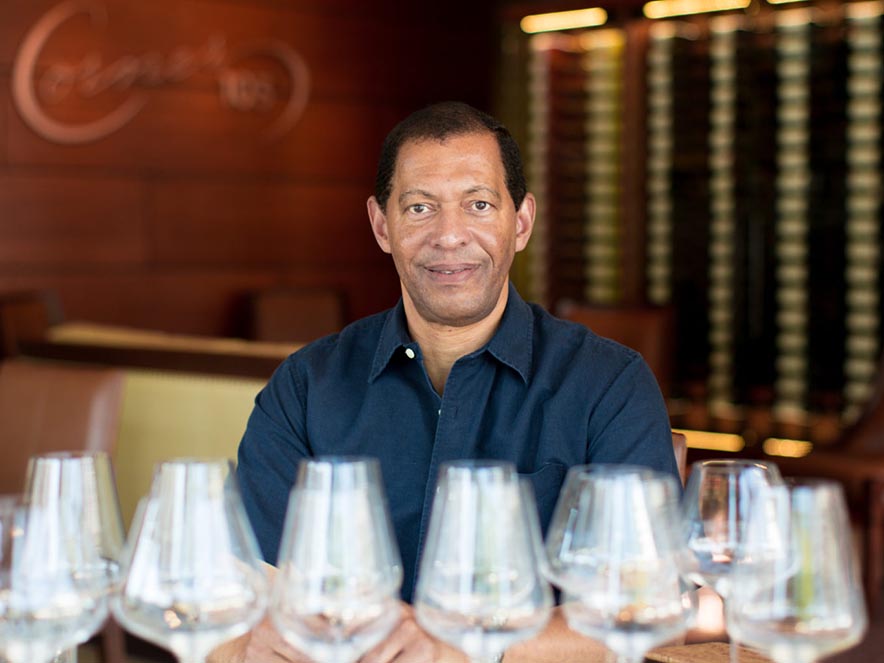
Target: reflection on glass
x=613 y=548
x=336 y=594
x=194 y=579
x=46 y=605
x=79 y=488
x=720 y=495
x=480 y=588
x=807 y=603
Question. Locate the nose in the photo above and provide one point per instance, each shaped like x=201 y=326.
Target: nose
x=451 y=229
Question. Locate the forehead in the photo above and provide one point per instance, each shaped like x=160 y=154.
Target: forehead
x=470 y=155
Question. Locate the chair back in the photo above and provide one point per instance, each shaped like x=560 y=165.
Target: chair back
x=26 y=316
x=649 y=330
x=287 y=315
x=680 y=447
x=54 y=406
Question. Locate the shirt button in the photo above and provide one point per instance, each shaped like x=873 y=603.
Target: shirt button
x=409 y=353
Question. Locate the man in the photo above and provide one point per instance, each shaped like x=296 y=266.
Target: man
x=461 y=367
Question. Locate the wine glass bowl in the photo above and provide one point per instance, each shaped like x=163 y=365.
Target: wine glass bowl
x=45 y=605
x=193 y=575
x=79 y=487
x=612 y=547
x=480 y=588
x=809 y=603
x=336 y=594
x=718 y=498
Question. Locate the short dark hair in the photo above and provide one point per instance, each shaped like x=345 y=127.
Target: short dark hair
x=438 y=122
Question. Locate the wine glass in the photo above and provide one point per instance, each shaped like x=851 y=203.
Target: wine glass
x=808 y=603
x=193 y=574
x=613 y=548
x=46 y=604
x=719 y=497
x=336 y=594
x=480 y=587
x=80 y=486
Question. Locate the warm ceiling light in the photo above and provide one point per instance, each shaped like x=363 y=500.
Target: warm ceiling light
x=667 y=8
x=775 y=446
x=697 y=439
x=579 y=18
x=860 y=10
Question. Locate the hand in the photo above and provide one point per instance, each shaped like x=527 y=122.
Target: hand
x=263 y=644
x=266 y=645
x=408 y=643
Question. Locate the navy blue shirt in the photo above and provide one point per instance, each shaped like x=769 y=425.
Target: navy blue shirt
x=544 y=393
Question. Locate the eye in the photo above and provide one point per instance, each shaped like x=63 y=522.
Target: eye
x=481 y=205
x=417 y=208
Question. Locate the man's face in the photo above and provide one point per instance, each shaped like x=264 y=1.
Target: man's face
x=451 y=227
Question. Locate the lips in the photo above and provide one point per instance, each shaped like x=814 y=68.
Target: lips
x=450 y=272
x=454 y=270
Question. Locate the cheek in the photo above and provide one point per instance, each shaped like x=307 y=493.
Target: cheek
x=406 y=245
x=495 y=241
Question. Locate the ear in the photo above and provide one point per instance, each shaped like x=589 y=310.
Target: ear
x=525 y=221
x=378 y=220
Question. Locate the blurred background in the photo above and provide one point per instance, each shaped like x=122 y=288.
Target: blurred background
x=199 y=167
x=183 y=186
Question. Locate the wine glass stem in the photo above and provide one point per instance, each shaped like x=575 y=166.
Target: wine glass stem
x=733 y=653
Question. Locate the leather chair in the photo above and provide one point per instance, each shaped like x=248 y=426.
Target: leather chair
x=46 y=406
x=26 y=316
x=680 y=447
x=649 y=330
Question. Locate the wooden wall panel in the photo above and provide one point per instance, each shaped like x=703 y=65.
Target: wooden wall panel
x=253 y=224
x=332 y=141
x=355 y=60
x=63 y=220
x=171 y=219
x=4 y=108
x=212 y=303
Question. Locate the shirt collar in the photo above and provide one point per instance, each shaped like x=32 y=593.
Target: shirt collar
x=512 y=343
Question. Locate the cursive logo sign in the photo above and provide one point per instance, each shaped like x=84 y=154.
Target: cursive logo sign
x=240 y=88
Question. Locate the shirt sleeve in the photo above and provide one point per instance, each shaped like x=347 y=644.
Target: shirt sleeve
x=272 y=446
x=630 y=424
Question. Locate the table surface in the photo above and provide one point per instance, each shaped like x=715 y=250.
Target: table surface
x=707 y=652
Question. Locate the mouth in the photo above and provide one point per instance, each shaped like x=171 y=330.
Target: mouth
x=450 y=273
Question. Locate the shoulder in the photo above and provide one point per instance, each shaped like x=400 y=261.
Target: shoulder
x=563 y=340
x=343 y=353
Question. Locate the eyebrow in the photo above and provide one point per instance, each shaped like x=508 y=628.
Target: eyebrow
x=477 y=189
x=426 y=194
x=415 y=192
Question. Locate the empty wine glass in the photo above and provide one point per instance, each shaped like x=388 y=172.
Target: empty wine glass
x=193 y=574
x=807 y=603
x=613 y=548
x=336 y=594
x=79 y=487
x=46 y=605
x=718 y=499
x=480 y=588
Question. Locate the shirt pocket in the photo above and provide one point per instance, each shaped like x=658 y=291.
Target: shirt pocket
x=547 y=482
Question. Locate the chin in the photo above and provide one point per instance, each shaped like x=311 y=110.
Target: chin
x=454 y=309
x=457 y=317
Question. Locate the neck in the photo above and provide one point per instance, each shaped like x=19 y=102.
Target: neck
x=442 y=345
